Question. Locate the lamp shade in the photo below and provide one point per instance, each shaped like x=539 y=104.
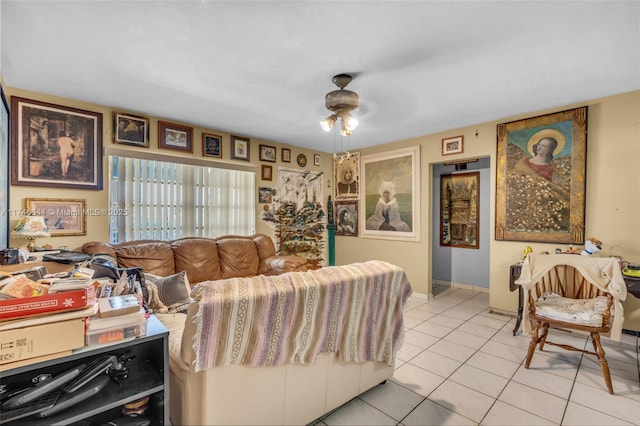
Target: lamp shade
x=32 y=226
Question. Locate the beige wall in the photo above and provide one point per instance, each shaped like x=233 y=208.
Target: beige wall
x=98 y=226
x=612 y=210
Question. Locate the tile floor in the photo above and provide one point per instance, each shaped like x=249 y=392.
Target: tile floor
x=461 y=365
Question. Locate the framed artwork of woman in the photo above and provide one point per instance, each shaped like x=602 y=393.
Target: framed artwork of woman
x=540 y=185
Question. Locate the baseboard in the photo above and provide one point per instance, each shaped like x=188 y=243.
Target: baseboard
x=470 y=287
x=422 y=296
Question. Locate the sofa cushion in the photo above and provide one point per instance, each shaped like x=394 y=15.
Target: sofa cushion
x=154 y=257
x=173 y=290
x=238 y=257
x=198 y=257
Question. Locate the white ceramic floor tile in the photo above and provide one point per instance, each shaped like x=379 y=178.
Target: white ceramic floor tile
x=432 y=329
x=436 y=363
x=623 y=387
x=616 y=368
x=429 y=413
x=504 y=351
x=487 y=322
x=452 y=350
x=544 y=381
x=416 y=379
x=477 y=329
x=505 y=335
x=446 y=321
x=458 y=314
x=465 y=339
x=410 y=322
x=618 y=352
x=493 y=364
x=480 y=380
x=578 y=415
x=392 y=399
x=408 y=351
x=500 y=317
x=601 y=400
x=419 y=314
x=358 y=412
x=564 y=364
x=502 y=414
x=536 y=402
x=463 y=400
x=418 y=339
x=434 y=307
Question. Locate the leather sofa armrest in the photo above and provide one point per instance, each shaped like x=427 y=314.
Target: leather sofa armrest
x=275 y=265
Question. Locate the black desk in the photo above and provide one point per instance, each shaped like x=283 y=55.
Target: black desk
x=633 y=287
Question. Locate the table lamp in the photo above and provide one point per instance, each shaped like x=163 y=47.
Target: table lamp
x=31 y=227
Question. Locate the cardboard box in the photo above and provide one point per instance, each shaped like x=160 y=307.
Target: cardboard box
x=40 y=340
x=58 y=302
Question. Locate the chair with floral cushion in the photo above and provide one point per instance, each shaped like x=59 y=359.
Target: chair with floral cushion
x=573 y=292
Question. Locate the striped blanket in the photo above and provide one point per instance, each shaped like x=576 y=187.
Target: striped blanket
x=353 y=310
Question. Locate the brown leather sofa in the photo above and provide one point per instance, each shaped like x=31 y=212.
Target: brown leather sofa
x=203 y=259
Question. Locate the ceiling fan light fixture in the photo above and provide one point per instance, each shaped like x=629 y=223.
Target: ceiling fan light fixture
x=341 y=102
x=328 y=122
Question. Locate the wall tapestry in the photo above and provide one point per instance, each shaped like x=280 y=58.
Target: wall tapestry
x=540 y=183
x=391 y=183
x=301 y=217
x=459 y=210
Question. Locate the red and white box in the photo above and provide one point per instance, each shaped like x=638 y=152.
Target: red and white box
x=49 y=303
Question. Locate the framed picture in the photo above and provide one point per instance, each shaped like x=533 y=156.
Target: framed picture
x=454 y=145
x=391 y=193
x=267 y=153
x=130 y=129
x=540 y=178
x=267 y=172
x=459 y=210
x=346 y=174
x=265 y=195
x=316 y=159
x=285 y=155
x=175 y=136
x=240 y=148
x=63 y=216
x=4 y=171
x=347 y=218
x=55 y=146
x=211 y=145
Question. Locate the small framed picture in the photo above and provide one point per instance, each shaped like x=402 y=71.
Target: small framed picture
x=267 y=172
x=211 y=145
x=63 y=216
x=347 y=218
x=268 y=153
x=265 y=195
x=240 y=149
x=316 y=159
x=175 y=136
x=453 y=145
x=286 y=155
x=130 y=129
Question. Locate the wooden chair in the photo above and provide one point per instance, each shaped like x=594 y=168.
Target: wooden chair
x=563 y=297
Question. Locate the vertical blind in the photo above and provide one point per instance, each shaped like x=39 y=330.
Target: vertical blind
x=162 y=201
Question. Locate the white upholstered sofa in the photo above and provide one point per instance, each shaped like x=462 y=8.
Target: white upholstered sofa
x=284 y=349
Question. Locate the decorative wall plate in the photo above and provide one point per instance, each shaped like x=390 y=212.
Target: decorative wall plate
x=302 y=160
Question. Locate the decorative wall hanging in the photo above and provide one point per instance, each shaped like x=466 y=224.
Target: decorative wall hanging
x=55 y=146
x=347 y=218
x=454 y=145
x=285 y=154
x=211 y=145
x=130 y=129
x=63 y=217
x=459 y=210
x=391 y=183
x=346 y=175
x=268 y=153
x=301 y=224
x=265 y=195
x=266 y=172
x=175 y=136
x=540 y=184
x=240 y=148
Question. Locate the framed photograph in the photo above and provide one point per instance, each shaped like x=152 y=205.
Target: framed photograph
x=211 y=145
x=240 y=148
x=540 y=178
x=316 y=159
x=130 y=129
x=63 y=216
x=454 y=145
x=346 y=175
x=267 y=153
x=347 y=218
x=391 y=194
x=55 y=146
x=285 y=154
x=265 y=195
x=459 y=210
x=4 y=170
x=175 y=136
x=267 y=172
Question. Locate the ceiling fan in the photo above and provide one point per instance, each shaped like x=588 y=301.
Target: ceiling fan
x=341 y=103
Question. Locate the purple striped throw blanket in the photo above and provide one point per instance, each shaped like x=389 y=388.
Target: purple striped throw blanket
x=353 y=310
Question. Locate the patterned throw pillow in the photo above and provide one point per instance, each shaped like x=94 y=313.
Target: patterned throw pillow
x=173 y=291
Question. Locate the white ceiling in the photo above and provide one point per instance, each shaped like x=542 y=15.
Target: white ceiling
x=261 y=68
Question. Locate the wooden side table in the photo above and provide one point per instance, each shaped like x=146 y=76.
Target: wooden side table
x=514 y=274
